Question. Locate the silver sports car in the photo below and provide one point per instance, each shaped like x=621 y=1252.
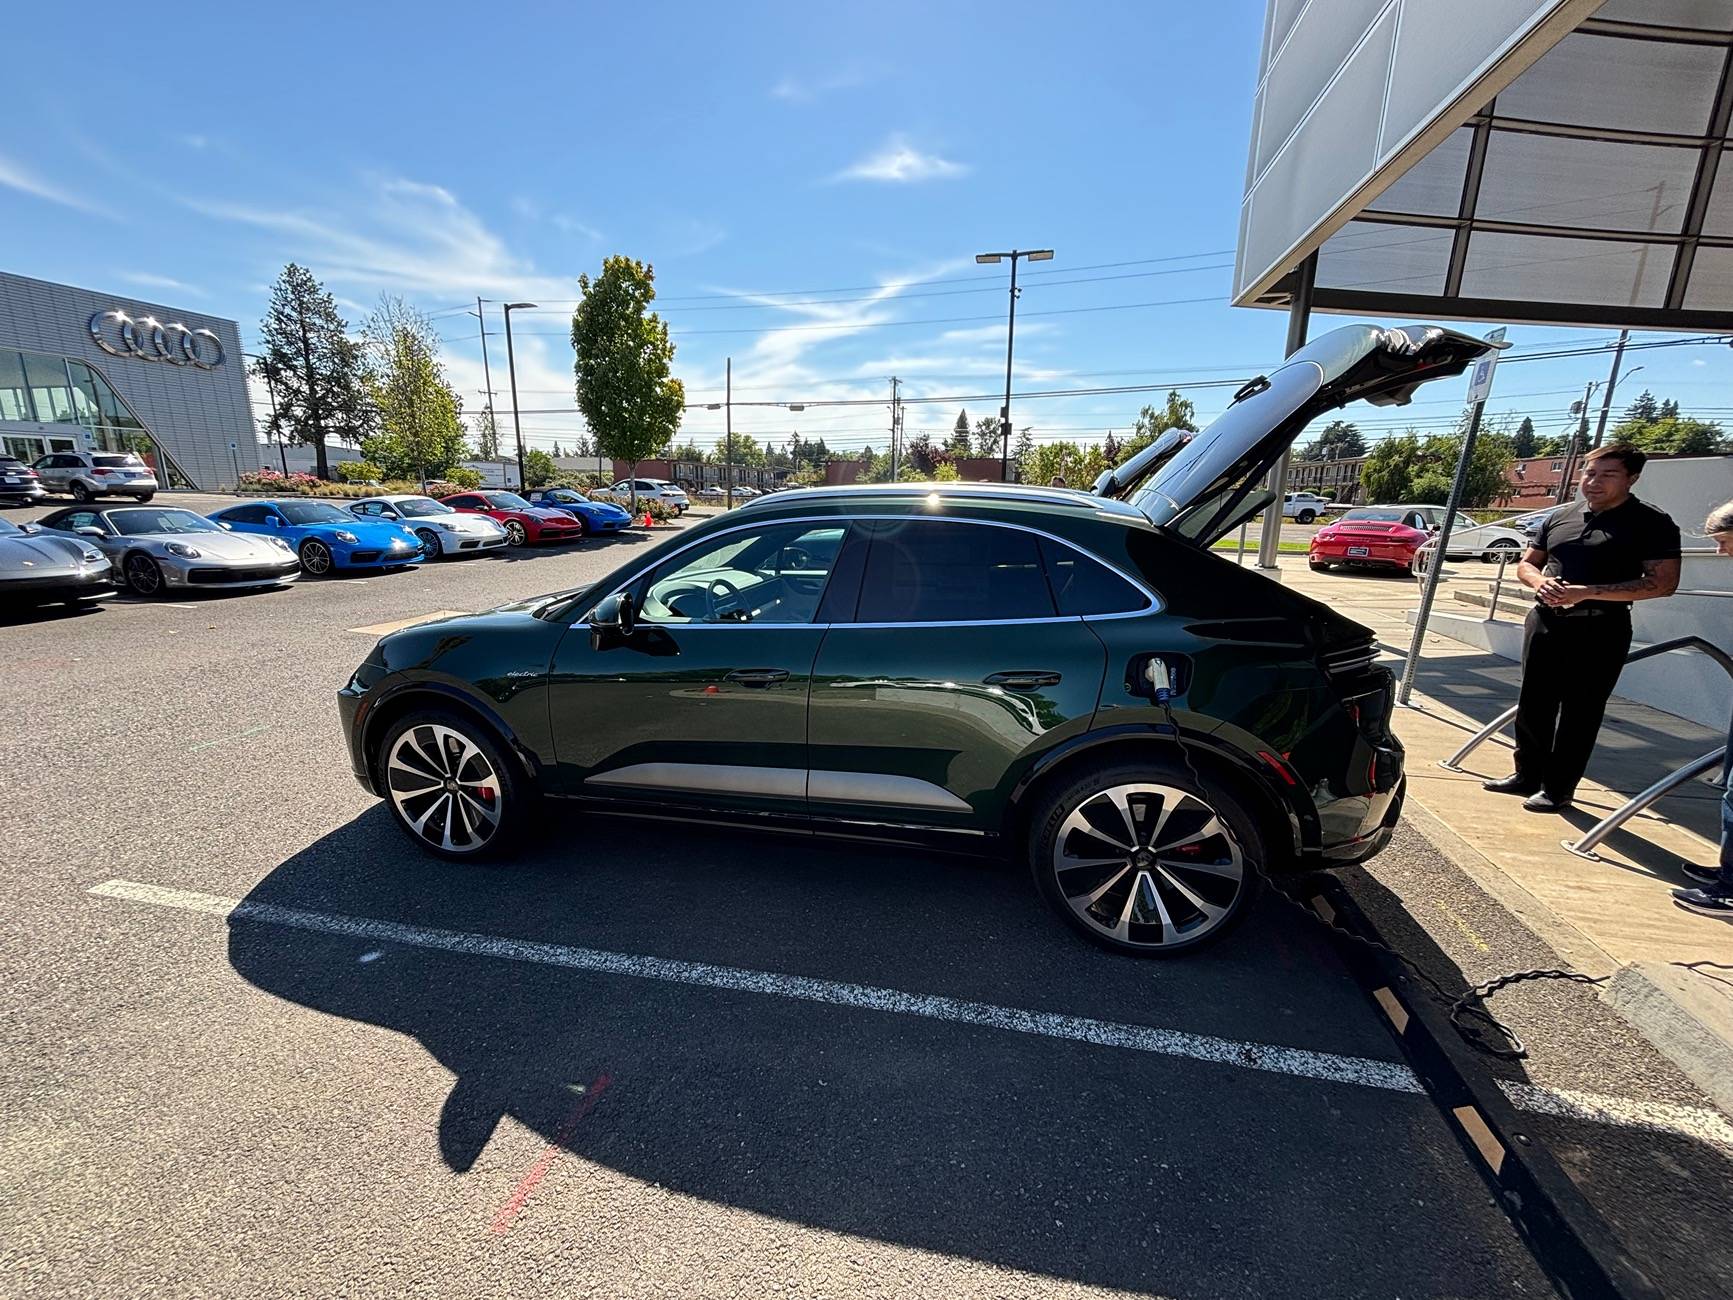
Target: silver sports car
x=38 y=567
x=160 y=548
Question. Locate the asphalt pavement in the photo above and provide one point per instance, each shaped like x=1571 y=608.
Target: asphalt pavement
x=258 y=1044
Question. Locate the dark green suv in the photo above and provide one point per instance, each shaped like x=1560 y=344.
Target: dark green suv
x=955 y=664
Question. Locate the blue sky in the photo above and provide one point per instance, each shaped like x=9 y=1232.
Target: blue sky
x=800 y=175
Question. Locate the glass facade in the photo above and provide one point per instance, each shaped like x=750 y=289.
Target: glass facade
x=48 y=389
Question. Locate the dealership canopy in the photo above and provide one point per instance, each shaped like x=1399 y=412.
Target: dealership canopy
x=1549 y=161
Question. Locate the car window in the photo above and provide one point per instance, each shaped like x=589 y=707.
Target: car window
x=76 y=519
x=1461 y=521
x=243 y=515
x=420 y=507
x=311 y=512
x=774 y=575
x=1085 y=586
x=504 y=501
x=465 y=503
x=1375 y=516
x=139 y=521
x=116 y=462
x=936 y=571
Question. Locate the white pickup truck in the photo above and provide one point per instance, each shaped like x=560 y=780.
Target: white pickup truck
x=1304 y=507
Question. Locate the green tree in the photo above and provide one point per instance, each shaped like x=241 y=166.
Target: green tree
x=1644 y=409
x=314 y=368
x=420 y=431
x=1410 y=469
x=1523 y=443
x=539 y=468
x=486 y=433
x=622 y=360
x=1669 y=410
x=988 y=441
x=959 y=443
x=1390 y=468
x=1337 y=440
x=1677 y=435
x=746 y=451
x=557 y=453
x=1178 y=413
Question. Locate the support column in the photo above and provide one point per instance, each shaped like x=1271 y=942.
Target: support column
x=1299 y=318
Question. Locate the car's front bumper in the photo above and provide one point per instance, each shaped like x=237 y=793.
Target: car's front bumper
x=203 y=574
x=469 y=543
x=352 y=711
x=83 y=583
x=375 y=557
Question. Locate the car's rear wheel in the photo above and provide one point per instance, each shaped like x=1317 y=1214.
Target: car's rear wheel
x=1305 y=517
x=515 y=533
x=1504 y=544
x=1318 y=566
x=1145 y=860
x=80 y=493
x=429 y=542
x=449 y=785
x=143 y=575
x=316 y=559
x=142 y=497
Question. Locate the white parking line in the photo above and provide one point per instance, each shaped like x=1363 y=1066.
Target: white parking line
x=380 y=629
x=1700 y=1123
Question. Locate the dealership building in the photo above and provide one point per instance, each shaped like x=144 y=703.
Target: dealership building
x=87 y=370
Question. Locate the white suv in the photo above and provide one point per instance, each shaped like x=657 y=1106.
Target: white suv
x=91 y=474
x=1303 y=507
x=672 y=493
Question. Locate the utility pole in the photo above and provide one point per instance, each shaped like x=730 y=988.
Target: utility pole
x=1574 y=445
x=282 y=441
x=894 y=421
x=1612 y=383
x=523 y=480
x=486 y=376
x=728 y=425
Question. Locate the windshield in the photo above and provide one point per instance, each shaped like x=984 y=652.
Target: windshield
x=420 y=507
x=505 y=501
x=314 y=512
x=1377 y=516
x=564 y=496
x=136 y=523
x=116 y=462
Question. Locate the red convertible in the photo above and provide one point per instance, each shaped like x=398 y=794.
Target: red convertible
x=523 y=523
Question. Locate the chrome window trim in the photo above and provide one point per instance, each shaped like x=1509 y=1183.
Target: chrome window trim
x=1154 y=606
x=1011 y=492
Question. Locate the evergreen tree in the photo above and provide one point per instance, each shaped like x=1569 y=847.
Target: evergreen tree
x=1669 y=410
x=314 y=368
x=1522 y=443
x=1338 y=440
x=486 y=435
x=1645 y=408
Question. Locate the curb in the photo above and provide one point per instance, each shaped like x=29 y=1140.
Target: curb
x=1641 y=994
x=1569 y=1239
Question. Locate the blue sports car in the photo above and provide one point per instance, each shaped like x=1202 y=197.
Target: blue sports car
x=593 y=516
x=323 y=536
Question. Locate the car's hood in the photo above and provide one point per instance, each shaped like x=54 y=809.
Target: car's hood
x=1203 y=486
x=377 y=532
x=544 y=513
x=216 y=546
x=602 y=509
x=37 y=557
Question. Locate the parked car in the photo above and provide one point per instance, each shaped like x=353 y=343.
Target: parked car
x=18 y=482
x=1528 y=525
x=158 y=549
x=39 y=568
x=1303 y=507
x=592 y=516
x=87 y=475
x=323 y=537
x=440 y=529
x=964 y=664
x=1389 y=536
x=671 y=493
x=523 y=523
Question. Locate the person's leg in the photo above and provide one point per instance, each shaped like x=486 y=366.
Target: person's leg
x=1537 y=703
x=1726 y=883
x=1596 y=655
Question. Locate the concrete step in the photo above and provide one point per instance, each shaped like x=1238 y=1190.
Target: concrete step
x=1509 y=602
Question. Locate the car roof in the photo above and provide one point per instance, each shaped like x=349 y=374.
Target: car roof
x=1015 y=494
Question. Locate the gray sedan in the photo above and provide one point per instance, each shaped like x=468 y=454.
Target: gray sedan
x=38 y=567
x=160 y=548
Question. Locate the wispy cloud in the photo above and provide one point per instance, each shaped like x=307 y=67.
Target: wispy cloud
x=803 y=90
x=898 y=162
x=533 y=210
x=144 y=279
x=15 y=176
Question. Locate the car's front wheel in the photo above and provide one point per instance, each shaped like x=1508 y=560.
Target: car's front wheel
x=515 y=533
x=1144 y=860
x=143 y=575
x=449 y=785
x=316 y=559
x=429 y=543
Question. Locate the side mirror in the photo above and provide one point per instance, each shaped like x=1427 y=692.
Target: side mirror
x=227 y=526
x=273 y=521
x=90 y=532
x=29 y=529
x=389 y=514
x=614 y=615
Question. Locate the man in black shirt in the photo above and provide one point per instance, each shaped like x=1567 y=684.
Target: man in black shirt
x=1590 y=560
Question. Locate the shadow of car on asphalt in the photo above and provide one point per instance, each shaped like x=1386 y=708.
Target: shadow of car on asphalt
x=1110 y=1166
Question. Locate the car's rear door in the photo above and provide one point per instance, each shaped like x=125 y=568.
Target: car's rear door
x=703 y=704
x=951 y=675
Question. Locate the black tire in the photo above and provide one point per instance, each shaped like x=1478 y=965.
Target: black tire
x=1490 y=554
x=1211 y=896
x=516 y=534
x=143 y=575
x=511 y=797
x=316 y=558
x=80 y=493
x=583 y=528
x=1305 y=517
x=430 y=547
x=143 y=497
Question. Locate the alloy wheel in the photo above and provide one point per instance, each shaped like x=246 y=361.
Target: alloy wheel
x=429 y=542
x=80 y=492
x=1149 y=865
x=316 y=558
x=444 y=788
x=142 y=575
x=514 y=533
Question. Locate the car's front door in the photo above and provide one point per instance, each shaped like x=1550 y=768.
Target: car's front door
x=702 y=704
x=956 y=673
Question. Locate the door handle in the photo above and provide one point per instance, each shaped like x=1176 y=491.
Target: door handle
x=758 y=676
x=1022 y=680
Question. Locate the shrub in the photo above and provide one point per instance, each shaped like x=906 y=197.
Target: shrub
x=660 y=511
x=466 y=479
x=354 y=471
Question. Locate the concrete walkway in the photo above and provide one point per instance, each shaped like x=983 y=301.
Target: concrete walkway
x=1673 y=969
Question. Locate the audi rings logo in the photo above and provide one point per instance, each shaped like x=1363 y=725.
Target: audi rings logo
x=149 y=339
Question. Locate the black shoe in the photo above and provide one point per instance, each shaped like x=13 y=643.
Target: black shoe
x=1702 y=875
x=1510 y=785
x=1542 y=802
x=1710 y=902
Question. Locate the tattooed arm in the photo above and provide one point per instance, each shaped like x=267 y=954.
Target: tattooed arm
x=1660 y=578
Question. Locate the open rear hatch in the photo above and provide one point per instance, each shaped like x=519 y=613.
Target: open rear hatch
x=1202 y=486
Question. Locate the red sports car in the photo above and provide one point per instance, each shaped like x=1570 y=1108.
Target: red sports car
x=1378 y=537
x=522 y=522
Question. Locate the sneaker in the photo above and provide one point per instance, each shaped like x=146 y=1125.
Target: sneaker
x=1702 y=875
x=1510 y=785
x=1542 y=802
x=1709 y=902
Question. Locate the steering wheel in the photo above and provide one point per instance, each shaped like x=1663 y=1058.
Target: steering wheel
x=713 y=614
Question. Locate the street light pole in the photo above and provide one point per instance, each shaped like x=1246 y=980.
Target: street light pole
x=486 y=375
x=282 y=442
x=523 y=480
x=728 y=426
x=1033 y=255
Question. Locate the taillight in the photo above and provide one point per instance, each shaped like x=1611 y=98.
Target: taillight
x=100 y=472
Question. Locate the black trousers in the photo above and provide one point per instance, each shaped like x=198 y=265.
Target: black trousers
x=1570 y=665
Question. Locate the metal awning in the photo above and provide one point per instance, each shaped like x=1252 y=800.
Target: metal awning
x=1592 y=189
